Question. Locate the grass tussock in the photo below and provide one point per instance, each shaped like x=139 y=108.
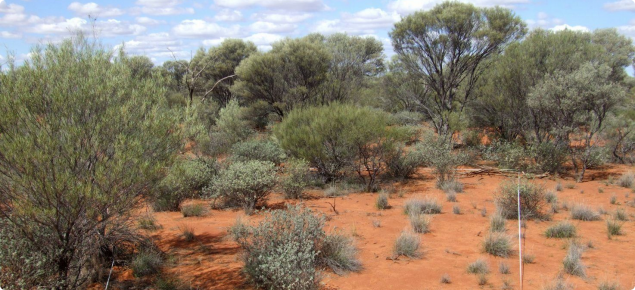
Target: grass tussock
x=480 y=266
x=382 y=201
x=422 y=206
x=561 y=230
x=420 y=223
x=194 y=210
x=497 y=244
x=584 y=213
x=497 y=223
x=626 y=180
x=614 y=228
x=572 y=261
x=407 y=244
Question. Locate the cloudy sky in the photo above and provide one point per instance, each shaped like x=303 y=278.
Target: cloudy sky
x=161 y=28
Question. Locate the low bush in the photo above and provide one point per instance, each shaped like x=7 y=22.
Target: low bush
x=626 y=180
x=260 y=150
x=184 y=180
x=532 y=199
x=244 y=184
x=407 y=244
x=572 y=264
x=420 y=222
x=503 y=268
x=480 y=266
x=296 y=178
x=584 y=213
x=194 y=210
x=452 y=186
x=445 y=279
x=497 y=244
x=608 y=285
x=551 y=197
x=286 y=248
x=456 y=209
x=561 y=230
x=403 y=164
x=620 y=215
x=450 y=196
x=404 y=118
x=438 y=154
x=148 y=222
x=187 y=233
x=422 y=205
x=146 y=262
x=558 y=284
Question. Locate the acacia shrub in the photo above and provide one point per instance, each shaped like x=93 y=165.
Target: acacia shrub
x=532 y=199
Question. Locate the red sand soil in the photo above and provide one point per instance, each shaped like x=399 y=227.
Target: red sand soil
x=212 y=260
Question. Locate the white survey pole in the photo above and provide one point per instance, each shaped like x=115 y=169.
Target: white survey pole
x=520 y=243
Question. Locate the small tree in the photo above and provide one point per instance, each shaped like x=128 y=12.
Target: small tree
x=81 y=139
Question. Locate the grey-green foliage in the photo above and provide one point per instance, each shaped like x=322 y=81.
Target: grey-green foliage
x=244 y=184
x=80 y=140
x=296 y=178
x=437 y=153
x=231 y=127
x=561 y=230
x=285 y=249
x=316 y=135
x=538 y=157
x=402 y=163
x=261 y=150
x=185 y=179
x=452 y=37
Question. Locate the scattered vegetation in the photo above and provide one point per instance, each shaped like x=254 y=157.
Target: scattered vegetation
x=609 y=285
x=626 y=180
x=148 y=222
x=614 y=227
x=497 y=223
x=295 y=179
x=194 y=210
x=450 y=196
x=445 y=279
x=456 y=209
x=261 y=150
x=503 y=268
x=146 y=262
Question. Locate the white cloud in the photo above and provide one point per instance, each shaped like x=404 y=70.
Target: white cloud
x=543 y=21
x=10 y=8
x=148 y=21
x=107 y=28
x=268 y=27
x=202 y=28
x=7 y=34
x=228 y=15
x=153 y=45
x=281 y=17
x=366 y=21
x=292 y=5
x=213 y=42
x=14 y=15
x=264 y=38
x=405 y=7
x=94 y=9
x=160 y=7
x=621 y=5
x=569 y=27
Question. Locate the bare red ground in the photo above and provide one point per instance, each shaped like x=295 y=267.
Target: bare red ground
x=212 y=260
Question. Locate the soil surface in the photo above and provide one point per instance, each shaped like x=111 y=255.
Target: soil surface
x=212 y=260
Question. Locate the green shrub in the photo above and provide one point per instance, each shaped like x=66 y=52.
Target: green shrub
x=404 y=118
x=382 y=201
x=497 y=244
x=316 y=134
x=551 y=197
x=257 y=150
x=420 y=222
x=572 y=264
x=497 y=223
x=479 y=266
x=548 y=157
x=437 y=153
x=295 y=179
x=187 y=233
x=403 y=164
x=626 y=180
x=231 y=127
x=148 y=222
x=193 y=210
x=584 y=213
x=146 y=262
x=407 y=244
x=561 y=230
x=532 y=199
x=507 y=155
x=244 y=184
x=284 y=250
x=184 y=179
x=422 y=205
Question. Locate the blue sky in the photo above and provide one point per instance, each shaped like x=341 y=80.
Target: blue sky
x=162 y=29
